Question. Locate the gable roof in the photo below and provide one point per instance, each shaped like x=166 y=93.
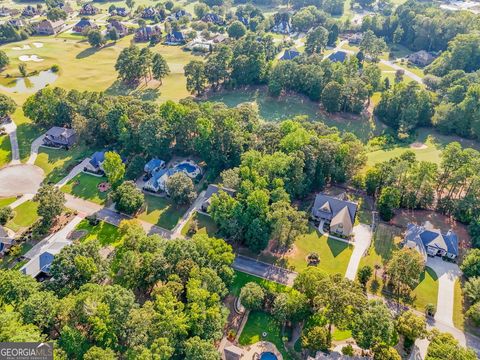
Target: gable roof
x=290 y=54
x=338 y=56
x=153 y=164
x=85 y=23
x=214 y=189
x=57 y=131
x=431 y=237
x=97 y=158
x=43 y=261
x=327 y=207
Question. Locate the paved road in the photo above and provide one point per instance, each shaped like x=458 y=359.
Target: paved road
x=11 y=130
x=110 y=216
x=264 y=270
x=363 y=237
x=20 y=179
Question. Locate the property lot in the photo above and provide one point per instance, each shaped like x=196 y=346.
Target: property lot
x=161 y=211
x=85 y=186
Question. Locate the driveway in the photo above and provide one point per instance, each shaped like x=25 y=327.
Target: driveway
x=20 y=180
x=447 y=274
x=34 y=149
x=264 y=270
x=176 y=232
x=74 y=172
x=363 y=237
x=11 y=130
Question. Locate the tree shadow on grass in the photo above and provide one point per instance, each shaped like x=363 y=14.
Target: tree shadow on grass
x=336 y=246
x=145 y=94
x=91 y=51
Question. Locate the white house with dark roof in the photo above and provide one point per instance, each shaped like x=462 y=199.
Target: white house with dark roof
x=430 y=241
x=334 y=213
x=40 y=264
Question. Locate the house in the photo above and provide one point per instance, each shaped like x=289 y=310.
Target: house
x=282 y=27
x=213 y=18
x=145 y=33
x=89 y=10
x=149 y=13
x=4 y=11
x=200 y=45
x=67 y=7
x=178 y=15
x=94 y=165
x=31 y=11
x=6 y=241
x=421 y=58
x=83 y=24
x=290 y=54
x=175 y=38
x=17 y=23
x=338 y=56
x=47 y=27
x=211 y=190
x=354 y=39
x=120 y=11
x=154 y=165
x=334 y=213
x=158 y=181
x=219 y=39
x=430 y=241
x=60 y=137
x=40 y=264
x=122 y=29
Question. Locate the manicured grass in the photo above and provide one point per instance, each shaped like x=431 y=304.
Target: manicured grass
x=161 y=211
x=26 y=133
x=6 y=201
x=340 y=335
x=5 y=263
x=334 y=254
x=205 y=224
x=259 y=322
x=427 y=291
x=458 y=308
x=242 y=278
x=25 y=216
x=5 y=150
x=56 y=163
x=85 y=68
x=105 y=233
x=85 y=186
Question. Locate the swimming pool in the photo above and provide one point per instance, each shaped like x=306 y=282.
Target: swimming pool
x=268 y=356
x=189 y=168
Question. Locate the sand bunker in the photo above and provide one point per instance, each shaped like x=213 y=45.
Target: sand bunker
x=38 y=44
x=418 y=145
x=34 y=58
x=24 y=47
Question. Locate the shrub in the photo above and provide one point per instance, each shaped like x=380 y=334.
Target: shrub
x=55 y=68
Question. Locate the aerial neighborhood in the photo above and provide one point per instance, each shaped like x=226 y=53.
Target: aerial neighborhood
x=260 y=180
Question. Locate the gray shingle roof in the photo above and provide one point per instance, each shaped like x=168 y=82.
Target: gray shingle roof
x=335 y=204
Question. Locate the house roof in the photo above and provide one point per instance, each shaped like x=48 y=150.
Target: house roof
x=177 y=34
x=327 y=207
x=57 y=131
x=153 y=164
x=214 y=189
x=290 y=54
x=43 y=261
x=338 y=56
x=97 y=158
x=3 y=232
x=431 y=237
x=85 y=23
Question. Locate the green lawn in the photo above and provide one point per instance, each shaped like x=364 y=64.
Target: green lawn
x=105 y=233
x=85 y=186
x=259 y=322
x=57 y=163
x=427 y=291
x=26 y=133
x=161 y=211
x=205 y=225
x=5 y=263
x=242 y=278
x=5 y=150
x=6 y=201
x=25 y=216
x=458 y=307
x=334 y=254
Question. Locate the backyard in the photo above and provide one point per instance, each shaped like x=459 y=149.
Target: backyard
x=258 y=323
x=25 y=216
x=85 y=186
x=334 y=254
x=106 y=234
x=205 y=225
x=161 y=211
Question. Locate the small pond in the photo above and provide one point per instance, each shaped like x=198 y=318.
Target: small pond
x=30 y=84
